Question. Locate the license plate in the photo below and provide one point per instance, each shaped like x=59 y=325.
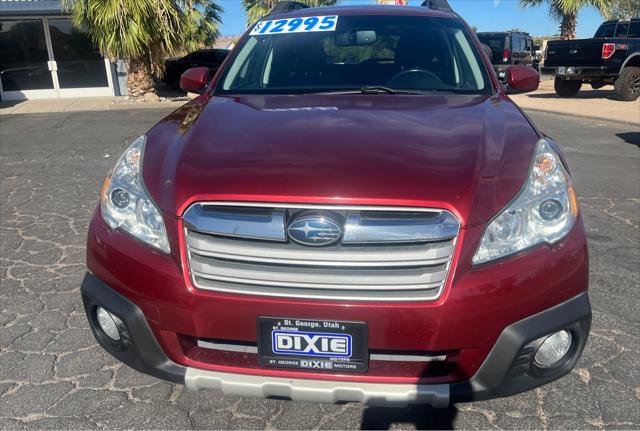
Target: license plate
x=327 y=345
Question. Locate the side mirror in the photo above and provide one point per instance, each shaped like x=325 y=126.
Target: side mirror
x=195 y=80
x=521 y=79
x=536 y=47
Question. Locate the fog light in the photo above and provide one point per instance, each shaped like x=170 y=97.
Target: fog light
x=108 y=323
x=553 y=349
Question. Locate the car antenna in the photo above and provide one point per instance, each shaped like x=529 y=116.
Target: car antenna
x=442 y=5
x=287 y=6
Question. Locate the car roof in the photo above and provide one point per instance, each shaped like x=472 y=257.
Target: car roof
x=613 y=21
x=382 y=10
x=503 y=32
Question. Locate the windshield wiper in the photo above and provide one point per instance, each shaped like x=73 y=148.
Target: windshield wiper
x=377 y=89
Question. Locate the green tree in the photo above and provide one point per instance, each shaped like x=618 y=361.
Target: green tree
x=625 y=9
x=145 y=32
x=566 y=12
x=256 y=9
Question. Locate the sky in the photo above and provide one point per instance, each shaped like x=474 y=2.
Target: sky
x=486 y=15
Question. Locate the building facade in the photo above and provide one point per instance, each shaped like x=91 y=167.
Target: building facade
x=42 y=55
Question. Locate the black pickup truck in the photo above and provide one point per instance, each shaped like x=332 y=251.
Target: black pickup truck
x=509 y=47
x=612 y=56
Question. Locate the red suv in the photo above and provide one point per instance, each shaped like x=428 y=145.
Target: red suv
x=351 y=210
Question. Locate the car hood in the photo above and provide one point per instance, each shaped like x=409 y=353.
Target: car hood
x=467 y=154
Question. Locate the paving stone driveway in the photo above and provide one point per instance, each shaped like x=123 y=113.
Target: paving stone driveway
x=53 y=375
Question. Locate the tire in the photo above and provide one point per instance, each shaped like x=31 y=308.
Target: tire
x=627 y=86
x=567 y=88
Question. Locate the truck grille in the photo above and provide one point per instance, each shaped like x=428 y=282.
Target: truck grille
x=384 y=254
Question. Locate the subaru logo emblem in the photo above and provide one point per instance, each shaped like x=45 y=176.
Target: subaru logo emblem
x=573 y=51
x=314 y=230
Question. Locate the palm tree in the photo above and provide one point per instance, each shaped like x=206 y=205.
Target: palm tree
x=625 y=9
x=256 y=9
x=566 y=11
x=145 y=32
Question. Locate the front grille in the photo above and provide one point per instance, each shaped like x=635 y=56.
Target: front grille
x=385 y=254
x=424 y=365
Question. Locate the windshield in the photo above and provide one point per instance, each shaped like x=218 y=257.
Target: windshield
x=356 y=52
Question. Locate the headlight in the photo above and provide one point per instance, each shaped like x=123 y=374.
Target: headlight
x=543 y=212
x=125 y=203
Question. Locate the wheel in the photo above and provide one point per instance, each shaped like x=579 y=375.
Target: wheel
x=627 y=86
x=567 y=88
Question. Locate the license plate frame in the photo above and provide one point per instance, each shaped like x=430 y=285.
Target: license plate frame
x=282 y=343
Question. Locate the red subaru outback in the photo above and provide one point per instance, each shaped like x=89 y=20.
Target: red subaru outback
x=351 y=210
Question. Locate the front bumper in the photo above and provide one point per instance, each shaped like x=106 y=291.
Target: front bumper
x=507 y=369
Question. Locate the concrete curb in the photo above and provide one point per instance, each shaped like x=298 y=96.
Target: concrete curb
x=582 y=116
x=596 y=109
x=80 y=105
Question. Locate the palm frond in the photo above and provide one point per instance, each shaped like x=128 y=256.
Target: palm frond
x=566 y=11
x=557 y=8
x=131 y=29
x=257 y=9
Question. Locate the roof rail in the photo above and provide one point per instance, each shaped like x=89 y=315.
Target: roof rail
x=287 y=6
x=442 y=5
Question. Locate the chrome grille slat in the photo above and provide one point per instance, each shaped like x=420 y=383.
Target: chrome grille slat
x=393 y=254
x=255 y=251
x=386 y=229
x=321 y=294
x=241 y=224
x=315 y=277
x=249 y=348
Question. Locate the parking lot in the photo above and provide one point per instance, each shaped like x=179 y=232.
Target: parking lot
x=53 y=374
